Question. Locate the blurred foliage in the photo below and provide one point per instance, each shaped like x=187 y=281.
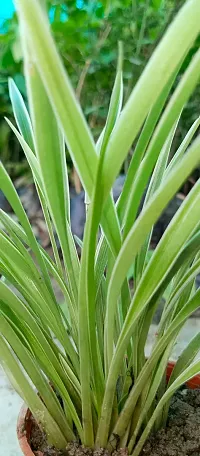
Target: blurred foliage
x=87 y=32
x=10 y=66
x=88 y=43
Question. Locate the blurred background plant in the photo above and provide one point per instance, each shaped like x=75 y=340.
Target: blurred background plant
x=87 y=32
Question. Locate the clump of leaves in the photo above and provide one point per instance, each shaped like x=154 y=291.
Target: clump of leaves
x=86 y=34
x=92 y=350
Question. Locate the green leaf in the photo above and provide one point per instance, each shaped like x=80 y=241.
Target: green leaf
x=87 y=292
x=21 y=114
x=159 y=372
x=184 y=145
x=35 y=168
x=125 y=258
x=31 y=158
x=100 y=261
x=50 y=148
x=159 y=348
x=183 y=378
x=91 y=346
x=66 y=107
x=31 y=287
x=46 y=353
x=157 y=3
x=178 y=291
x=155 y=181
x=34 y=373
x=185 y=358
x=10 y=193
x=160 y=68
x=26 y=275
x=12 y=227
x=169 y=117
x=142 y=143
x=35 y=404
x=138 y=233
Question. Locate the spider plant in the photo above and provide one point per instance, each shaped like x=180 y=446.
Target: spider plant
x=90 y=352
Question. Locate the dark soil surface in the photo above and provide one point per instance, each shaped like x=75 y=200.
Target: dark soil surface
x=180 y=438
x=182 y=434
x=40 y=447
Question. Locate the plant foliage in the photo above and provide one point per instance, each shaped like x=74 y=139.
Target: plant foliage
x=86 y=34
x=90 y=352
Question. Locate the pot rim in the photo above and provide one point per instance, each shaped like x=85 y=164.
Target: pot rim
x=24 y=422
x=193 y=383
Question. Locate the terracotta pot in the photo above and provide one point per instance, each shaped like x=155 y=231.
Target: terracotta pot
x=24 y=422
x=192 y=384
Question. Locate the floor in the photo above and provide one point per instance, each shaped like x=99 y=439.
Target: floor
x=10 y=402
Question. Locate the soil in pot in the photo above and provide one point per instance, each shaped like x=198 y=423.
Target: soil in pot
x=181 y=437
x=39 y=444
x=40 y=447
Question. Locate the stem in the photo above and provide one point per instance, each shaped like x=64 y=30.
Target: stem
x=142 y=28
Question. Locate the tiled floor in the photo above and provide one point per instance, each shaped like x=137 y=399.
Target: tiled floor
x=10 y=402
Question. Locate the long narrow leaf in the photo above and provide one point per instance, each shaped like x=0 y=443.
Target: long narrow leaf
x=21 y=114
x=158 y=71
x=37 y=407
x=77 y=135
x=183 y=378
x=169 y=117
x=123 y=263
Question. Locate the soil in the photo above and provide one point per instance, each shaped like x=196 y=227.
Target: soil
x=182 y=434
x=39 y=444
x=181 y=437
x=40 y=447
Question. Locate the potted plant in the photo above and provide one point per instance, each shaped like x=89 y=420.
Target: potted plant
x=81 y=367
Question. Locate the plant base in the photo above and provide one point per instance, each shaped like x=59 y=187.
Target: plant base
x=25 y=435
